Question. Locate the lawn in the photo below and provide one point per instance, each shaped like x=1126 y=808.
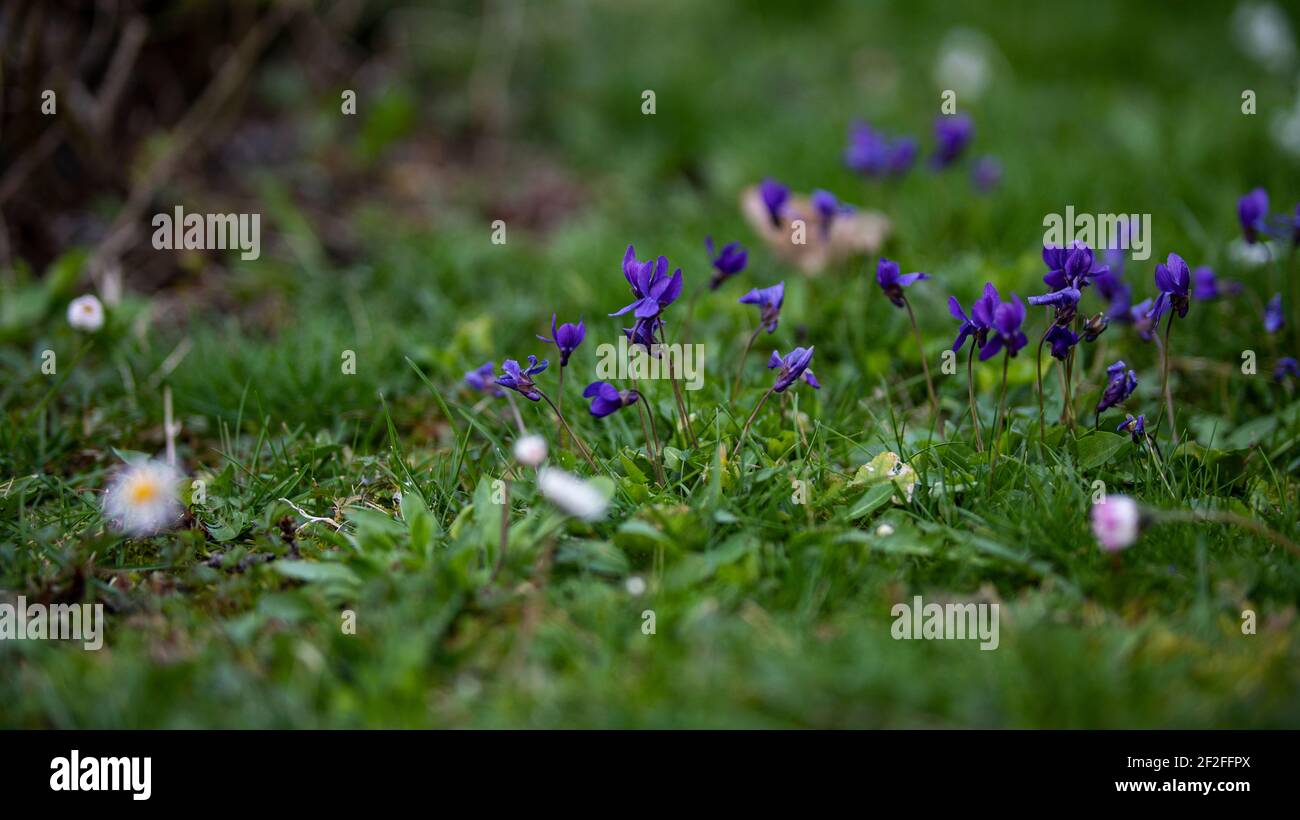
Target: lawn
x=342 y=564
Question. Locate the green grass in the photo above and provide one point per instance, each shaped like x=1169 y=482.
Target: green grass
x=767 y=613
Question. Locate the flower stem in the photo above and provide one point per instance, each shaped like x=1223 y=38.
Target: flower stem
x=925 y=366
x=651 y=443
x=1069 y=390
x=677 y=394
x=1042 y=413
x=970 y=393
x=560 y=403
x=744 y=433
x=514 y=411
x=753 y=337
x=1225 y=517
x=997 y=424
x=582 y=445
x=1164 y=382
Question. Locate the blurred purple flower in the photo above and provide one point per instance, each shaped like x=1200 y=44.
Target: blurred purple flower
x=873 y=154
x=774 y=196
x=1144 y=319
x=952 y=133
x=1286 y=366
x=1252 y=212
x=827 y=207
x=484 y=379
x=1118 y=296
x=726 y=263
x=1206 y=286
x=986 y=174
x=1273 y=317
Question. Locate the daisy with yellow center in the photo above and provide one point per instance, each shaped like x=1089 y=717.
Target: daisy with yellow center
x=144 y=498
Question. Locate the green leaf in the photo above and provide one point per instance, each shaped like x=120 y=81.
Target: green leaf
x=1098 y=447
x=872 y=500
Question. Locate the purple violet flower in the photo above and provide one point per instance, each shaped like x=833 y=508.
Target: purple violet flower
x=1273 y=316
x=1286 y=366
x=1094 y=327
x=1206 y=286
x=1072 y=267
x=1117 y=294
x=653 y=288
x=566 y=338
x=980 y=319
x=1007 y=319
x=1144 y=319
x=892 y=283
x=1120 y=385
x=775 y=196
x=1252 y=212
x=1173 y=280
x=871 y=153
x=726 y=263
x=484 y=379
x=952 y=133
x=521 y=379
x=793 y=367
x=1066 y=299
x=986 y=174
x=901 y=156
x=768 y=301
x=827 y=207
x=643 y=333
x=606 y=398
x=1136 y=427
x=1062 y=340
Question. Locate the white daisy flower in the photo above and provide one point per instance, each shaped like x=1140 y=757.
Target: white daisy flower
x=86 y=313
x=635 y=585
x=530 y=450
x=144 y=498
x=572 y=494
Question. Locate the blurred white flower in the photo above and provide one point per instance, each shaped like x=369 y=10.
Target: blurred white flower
x=884 y=530
x=1263 y=32
x=572 y=494
x=144 y=498
x=86 y=313
x=965 y=63
x=1285 y=129
x=1246 y=255
x=530 y=450
x=635 y=585
x=1116 y=522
